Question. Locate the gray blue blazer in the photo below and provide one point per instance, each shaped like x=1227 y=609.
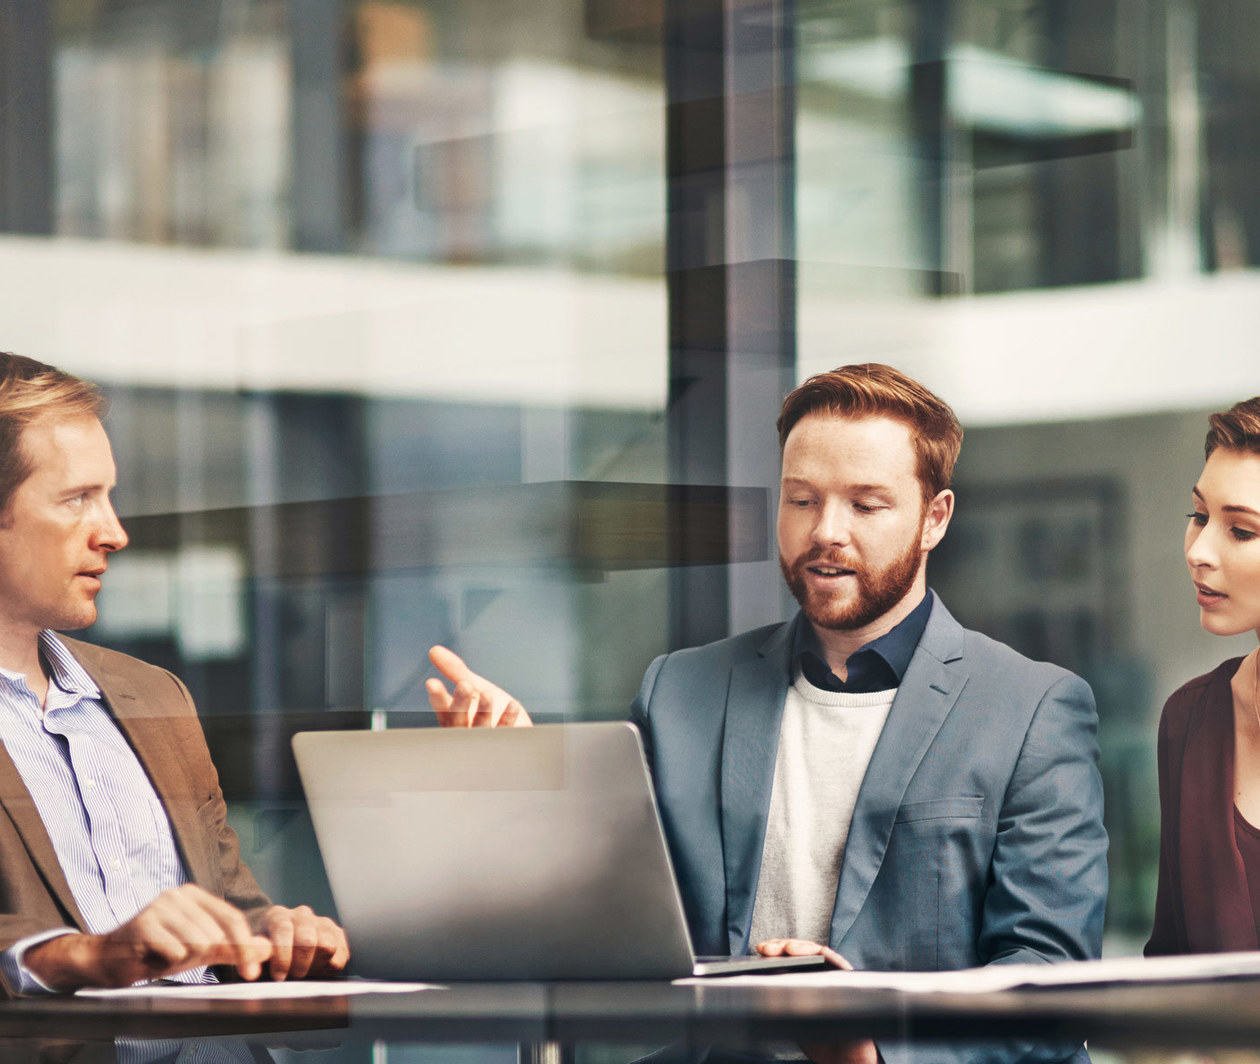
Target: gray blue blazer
x=978 y=834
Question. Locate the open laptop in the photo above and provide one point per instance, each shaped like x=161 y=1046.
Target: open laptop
x=514 y=853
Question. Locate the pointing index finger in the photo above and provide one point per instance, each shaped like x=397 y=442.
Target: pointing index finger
x=449 y=664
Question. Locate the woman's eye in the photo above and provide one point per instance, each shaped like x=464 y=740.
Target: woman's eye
x=1197 y=518
x=1243 y=535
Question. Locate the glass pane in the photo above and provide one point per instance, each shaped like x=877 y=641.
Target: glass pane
x=375 y=291
x=1037 y=210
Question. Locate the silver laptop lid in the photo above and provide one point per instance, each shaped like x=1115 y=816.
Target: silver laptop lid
x=515 y=853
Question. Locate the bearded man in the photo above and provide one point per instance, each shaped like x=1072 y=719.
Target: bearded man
x=869 y=779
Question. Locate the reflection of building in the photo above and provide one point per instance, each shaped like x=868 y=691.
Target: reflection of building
x=587 y=242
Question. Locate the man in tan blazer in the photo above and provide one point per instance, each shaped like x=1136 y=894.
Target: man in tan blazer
x=116 y=860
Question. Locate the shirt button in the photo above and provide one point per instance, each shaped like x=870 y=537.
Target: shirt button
x=115 y=864
x=89 y=784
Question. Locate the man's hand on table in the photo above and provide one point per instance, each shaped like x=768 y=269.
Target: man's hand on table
x=832 y=1052
x=472 y=701
x=180 y=929
x=800 y=947
x=304 y=944
x=188 y=927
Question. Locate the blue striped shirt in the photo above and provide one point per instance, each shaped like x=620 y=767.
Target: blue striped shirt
x=107 y=825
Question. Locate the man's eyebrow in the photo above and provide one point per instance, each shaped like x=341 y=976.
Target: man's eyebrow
x=852 y=489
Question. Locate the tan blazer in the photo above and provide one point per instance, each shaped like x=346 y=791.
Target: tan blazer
x=155 y=712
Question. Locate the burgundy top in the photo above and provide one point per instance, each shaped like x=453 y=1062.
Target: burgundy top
x=1204 y=903
x=1248 y=838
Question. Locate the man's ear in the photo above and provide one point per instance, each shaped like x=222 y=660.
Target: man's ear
x=936 y=517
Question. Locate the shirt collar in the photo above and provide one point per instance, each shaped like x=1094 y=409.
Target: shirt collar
x=64 y=671
x=875 y=666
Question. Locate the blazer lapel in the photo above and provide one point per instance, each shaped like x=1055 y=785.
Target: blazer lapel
x=926 y=695
x=754 y=710
x=20 y=806
x=147 y=730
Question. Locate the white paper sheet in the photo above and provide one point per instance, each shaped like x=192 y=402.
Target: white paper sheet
x=994 y=977
x=260 y=990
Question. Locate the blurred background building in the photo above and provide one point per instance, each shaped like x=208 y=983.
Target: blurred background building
x=426 y=320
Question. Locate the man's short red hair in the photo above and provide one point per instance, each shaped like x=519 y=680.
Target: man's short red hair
x=871 y=389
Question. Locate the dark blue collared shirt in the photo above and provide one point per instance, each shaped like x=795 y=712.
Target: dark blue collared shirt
x=875 y=666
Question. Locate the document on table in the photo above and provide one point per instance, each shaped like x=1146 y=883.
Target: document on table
x=259 y=991
x=994 y=977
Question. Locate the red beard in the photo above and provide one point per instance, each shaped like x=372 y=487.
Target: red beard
x=877 y=592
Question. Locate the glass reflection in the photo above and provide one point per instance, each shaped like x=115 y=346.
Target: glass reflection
x=414 y=249
x=1066 y=177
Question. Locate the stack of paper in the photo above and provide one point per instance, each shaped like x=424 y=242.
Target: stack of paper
x=996 y=977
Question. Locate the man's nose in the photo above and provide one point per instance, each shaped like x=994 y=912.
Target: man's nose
x=832 y=526
x=110 y=534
